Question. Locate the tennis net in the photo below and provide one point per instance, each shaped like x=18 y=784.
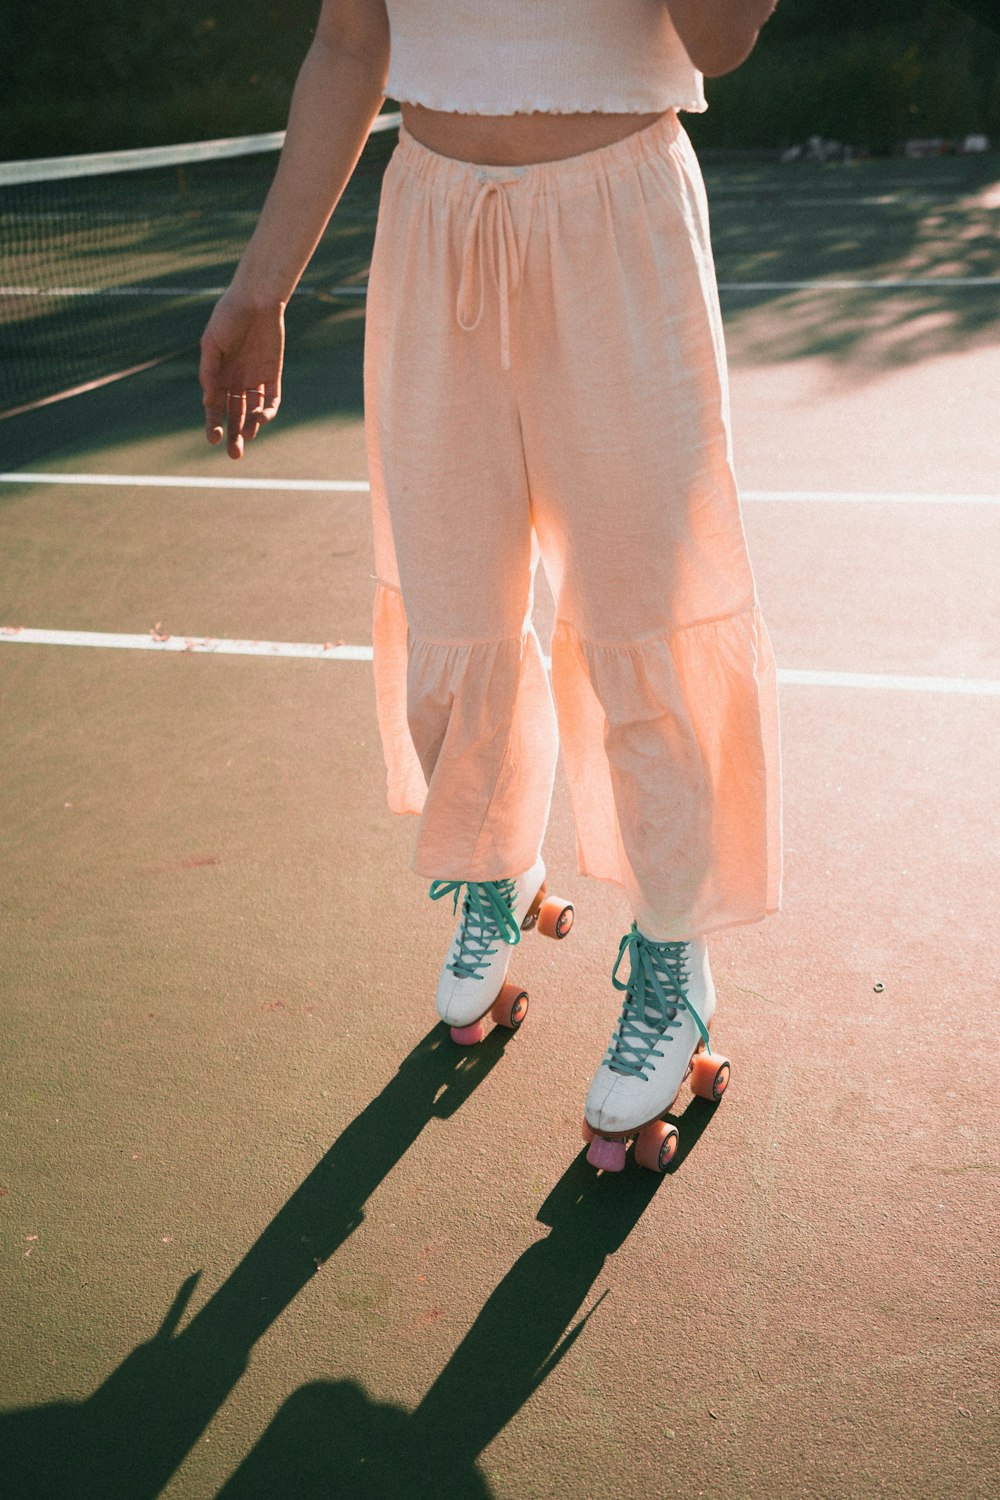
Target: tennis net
x=110 y=263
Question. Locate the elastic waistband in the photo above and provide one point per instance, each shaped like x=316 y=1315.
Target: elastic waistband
x=545 y=176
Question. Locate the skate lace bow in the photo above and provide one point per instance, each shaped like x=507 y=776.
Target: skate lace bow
x=507 y=267
x=487 y=917
x=656 y=989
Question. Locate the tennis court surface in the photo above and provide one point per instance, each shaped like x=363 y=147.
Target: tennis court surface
x=268 y=1232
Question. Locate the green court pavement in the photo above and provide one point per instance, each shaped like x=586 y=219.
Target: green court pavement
x=267 y=1231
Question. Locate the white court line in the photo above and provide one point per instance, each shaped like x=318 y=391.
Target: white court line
x=828 y=284
x=164 y=291
x=111 y=291
x=190 y=482
x=867 y=497
x=782 y=185
x=979 y=686
x=361 y=487
x=880 y=283
x=912 y=201
x=212 y=645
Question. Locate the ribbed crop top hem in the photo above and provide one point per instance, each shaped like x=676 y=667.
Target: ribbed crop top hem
x=539 y=57
x=616 y=104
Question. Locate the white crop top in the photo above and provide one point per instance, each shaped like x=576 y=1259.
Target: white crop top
x=504 y=57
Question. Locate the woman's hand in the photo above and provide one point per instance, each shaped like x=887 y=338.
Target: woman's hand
x=337 y=95
x=242 y=350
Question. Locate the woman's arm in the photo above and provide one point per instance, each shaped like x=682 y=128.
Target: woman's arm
x=718 y=35
x=337 y=96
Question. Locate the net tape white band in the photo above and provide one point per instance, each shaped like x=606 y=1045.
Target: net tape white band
x=49 y=168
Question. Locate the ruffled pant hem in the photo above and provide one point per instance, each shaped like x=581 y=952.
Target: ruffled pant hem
x=670 y=746
x=672 y=755
x=470 y=741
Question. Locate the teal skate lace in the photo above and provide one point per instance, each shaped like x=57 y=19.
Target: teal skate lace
x=487 y=917
x=656 y=989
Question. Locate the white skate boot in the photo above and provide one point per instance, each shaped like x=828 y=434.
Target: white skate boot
x=661 y=1037
x=494 y=914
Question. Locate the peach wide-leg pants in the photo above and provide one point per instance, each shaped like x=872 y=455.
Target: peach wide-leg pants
x=545 y=376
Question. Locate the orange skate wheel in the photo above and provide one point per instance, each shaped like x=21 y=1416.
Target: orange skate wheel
x=510 y=1007
x=555 y=917
x=656 y=1146
x=709 y=1075
x=586 y=1132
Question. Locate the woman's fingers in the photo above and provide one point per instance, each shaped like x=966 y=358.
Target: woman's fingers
x=236 y=411
x=215 y=428
x=254 y=419
x=213 y=393
x=262 y=402
x=238 y=416
x=272 y=399
x=240 y=373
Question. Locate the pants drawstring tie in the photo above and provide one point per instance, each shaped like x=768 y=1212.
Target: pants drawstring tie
x=506 y=269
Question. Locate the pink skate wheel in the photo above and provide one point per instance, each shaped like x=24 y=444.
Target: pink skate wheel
x=608 y=1155
x=555 y=917
x=586 y=1132
x=709 y=1075
x=467 y=1036
x=656 y=1146
x=510 y=1007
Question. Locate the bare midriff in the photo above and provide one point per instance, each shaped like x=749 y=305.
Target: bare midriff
x=517 y=140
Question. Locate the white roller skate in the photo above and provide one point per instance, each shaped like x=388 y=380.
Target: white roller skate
x=660 y=1039
x=494 y=914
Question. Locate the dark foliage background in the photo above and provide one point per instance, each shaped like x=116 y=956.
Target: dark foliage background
x=109 y=74
x=868 y=72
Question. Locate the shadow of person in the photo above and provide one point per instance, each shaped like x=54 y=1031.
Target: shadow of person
x=526 y=1326
x=127 y=1439
x=330 y=1442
